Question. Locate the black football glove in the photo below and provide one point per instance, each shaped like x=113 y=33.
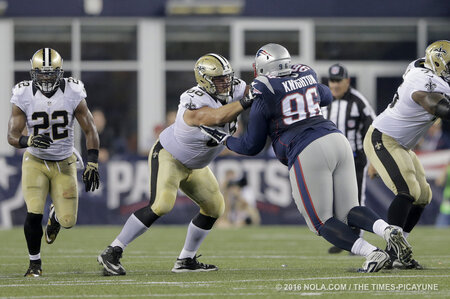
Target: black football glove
x=247 y=100
x=91 y=177
x=218 y=136
x=39 y=141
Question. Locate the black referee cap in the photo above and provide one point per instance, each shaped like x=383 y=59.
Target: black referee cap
x=337 y=72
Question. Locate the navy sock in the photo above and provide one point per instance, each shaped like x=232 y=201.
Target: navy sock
x=362 y=217
x=338 y=233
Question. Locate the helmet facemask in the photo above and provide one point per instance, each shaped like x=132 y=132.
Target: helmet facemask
x=46 y=81
x=46 y=70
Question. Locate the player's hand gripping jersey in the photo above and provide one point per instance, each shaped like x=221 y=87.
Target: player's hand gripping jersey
x=296 y=105
x=52 y=116
x=188 y=144
x=405 y=120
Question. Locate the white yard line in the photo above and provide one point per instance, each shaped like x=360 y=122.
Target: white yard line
x=186 y=283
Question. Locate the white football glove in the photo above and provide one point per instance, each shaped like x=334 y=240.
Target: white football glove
x=218 y=136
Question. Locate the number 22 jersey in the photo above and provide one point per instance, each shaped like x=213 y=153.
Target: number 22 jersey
x=52 y=116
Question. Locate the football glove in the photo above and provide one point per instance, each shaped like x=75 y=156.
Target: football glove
x=247 y=100
x=218 y=136
x=39 y=141
x=91 y=177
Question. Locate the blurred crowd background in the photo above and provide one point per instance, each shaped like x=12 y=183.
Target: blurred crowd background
x=136 y=57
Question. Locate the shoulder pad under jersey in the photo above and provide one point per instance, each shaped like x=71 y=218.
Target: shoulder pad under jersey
x=75 y=88
x=195 y=98
x=424 y=79
x=20 y=87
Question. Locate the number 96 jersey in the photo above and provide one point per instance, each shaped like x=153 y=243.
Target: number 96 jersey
x=52 y=116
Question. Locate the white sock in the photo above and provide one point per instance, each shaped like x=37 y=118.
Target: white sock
x=379 y=226
x=362 y=247
x=35 y=257
x=116 y=242
x=132 y=229
x=194 y=238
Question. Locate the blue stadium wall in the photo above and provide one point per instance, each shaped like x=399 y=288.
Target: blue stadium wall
x=125 y=188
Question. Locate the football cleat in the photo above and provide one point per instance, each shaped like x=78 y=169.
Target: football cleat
x=53 y=226
x=110 y=260
x=34 y=270
x=374 y=261
x=192 y=265
x=396 y=241
x=413 y=264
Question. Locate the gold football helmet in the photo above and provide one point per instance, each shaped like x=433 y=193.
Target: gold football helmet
x=437 y=58
x=46 y=70
x=214 y=74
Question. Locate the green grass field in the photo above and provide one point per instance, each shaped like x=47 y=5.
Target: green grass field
x=257 y=262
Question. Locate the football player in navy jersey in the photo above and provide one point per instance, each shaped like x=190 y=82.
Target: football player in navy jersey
x=286 y=107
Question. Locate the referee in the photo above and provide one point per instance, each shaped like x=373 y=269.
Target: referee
x=352 y=114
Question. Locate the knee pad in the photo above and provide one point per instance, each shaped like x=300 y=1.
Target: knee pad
x=163 y=204
x=425 y=196
x=216 y=208
x=67 y=221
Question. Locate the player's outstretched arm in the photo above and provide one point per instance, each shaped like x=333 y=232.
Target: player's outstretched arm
x=433 y=102
x=208 y=116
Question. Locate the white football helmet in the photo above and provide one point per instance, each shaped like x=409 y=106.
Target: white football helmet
x=46 y=70
x=214 y=75
x=437 y=58
x=272 y=59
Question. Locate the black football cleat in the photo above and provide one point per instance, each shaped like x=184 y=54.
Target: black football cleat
x=34 y=270
x=110 y=260
x=53 y=226
x=192 y=265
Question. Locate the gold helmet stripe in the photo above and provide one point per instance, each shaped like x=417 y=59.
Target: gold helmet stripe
x=223 y=61
x=46 y=59
x=220 y=59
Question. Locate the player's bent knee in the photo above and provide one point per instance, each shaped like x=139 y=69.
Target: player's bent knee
x=67 y=221
x=425 y=197
x=216 y=209
x=162 y=208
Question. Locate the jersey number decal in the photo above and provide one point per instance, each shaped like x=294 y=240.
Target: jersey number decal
x=57 y=134
x=297 y=106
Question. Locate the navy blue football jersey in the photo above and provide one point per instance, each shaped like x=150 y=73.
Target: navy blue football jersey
x=288 y=110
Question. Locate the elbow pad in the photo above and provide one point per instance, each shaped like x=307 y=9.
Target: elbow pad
x=443 y=109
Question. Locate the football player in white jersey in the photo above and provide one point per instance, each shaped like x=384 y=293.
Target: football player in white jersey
x=47 y=106
x=420 y=100
x=179 y=160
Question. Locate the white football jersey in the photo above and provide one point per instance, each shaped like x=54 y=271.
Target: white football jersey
x=54 y=115
x=405 y=120
x=187 y=143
